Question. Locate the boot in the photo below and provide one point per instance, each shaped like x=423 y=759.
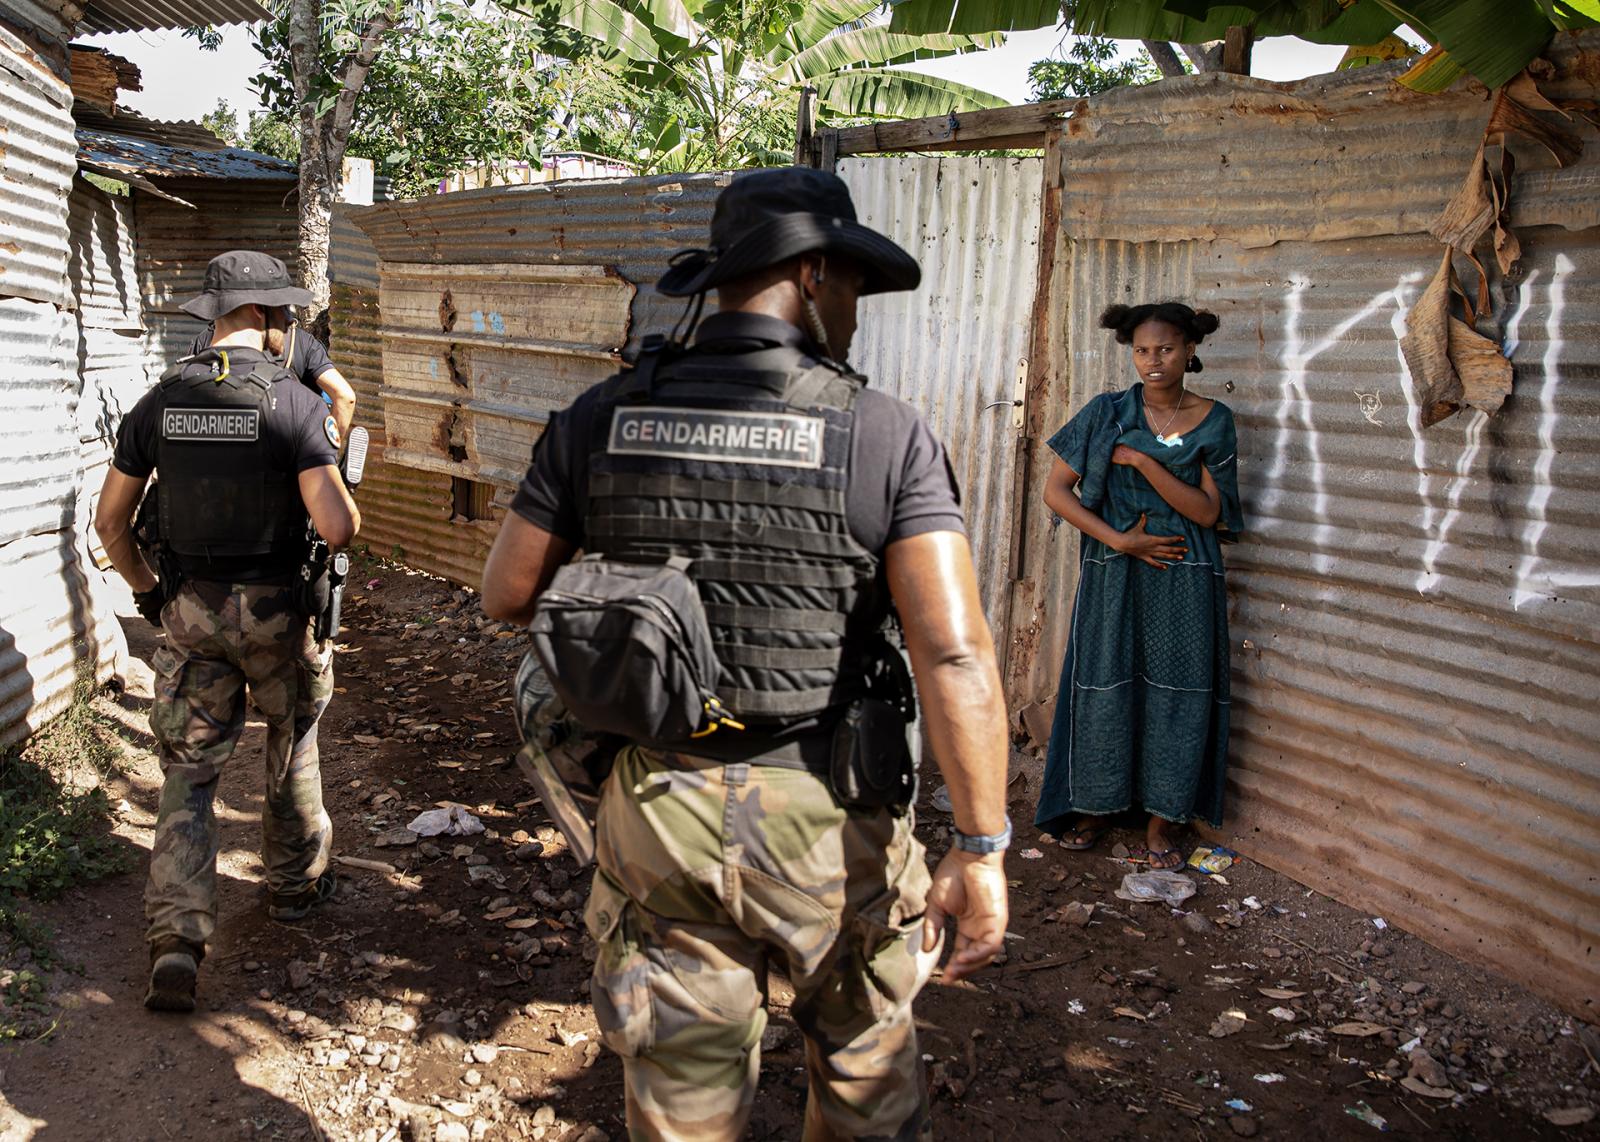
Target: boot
x=287 y=907
x=174 y=964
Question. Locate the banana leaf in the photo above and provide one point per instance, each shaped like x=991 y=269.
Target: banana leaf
x=877 y=47
x=884 y=93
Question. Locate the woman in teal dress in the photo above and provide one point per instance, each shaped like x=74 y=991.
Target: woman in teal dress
x=1149 y=477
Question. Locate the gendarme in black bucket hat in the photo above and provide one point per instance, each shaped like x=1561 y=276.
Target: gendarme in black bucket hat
x=768 y=216
x=244 y=277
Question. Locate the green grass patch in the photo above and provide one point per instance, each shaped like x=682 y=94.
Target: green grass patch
x=55 y=831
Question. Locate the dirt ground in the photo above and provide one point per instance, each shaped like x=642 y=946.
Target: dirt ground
x=447 y=999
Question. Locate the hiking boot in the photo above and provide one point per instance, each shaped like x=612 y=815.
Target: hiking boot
x=174 y=964
x=287 y=907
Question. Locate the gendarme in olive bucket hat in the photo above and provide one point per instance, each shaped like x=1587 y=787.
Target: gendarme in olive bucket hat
x=244 y=277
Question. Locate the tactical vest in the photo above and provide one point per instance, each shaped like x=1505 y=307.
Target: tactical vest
x=225 y=507
x=750 y=486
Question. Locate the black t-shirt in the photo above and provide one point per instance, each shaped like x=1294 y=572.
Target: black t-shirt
x=308 y=359
x=901 y=483
x=297 y=429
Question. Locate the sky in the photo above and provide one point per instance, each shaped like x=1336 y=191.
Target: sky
x=183 y=82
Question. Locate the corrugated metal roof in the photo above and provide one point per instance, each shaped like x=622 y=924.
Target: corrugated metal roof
x=139 y=15
x=131 y=125
x=957 y=348
x=36 y=169
x=632 y=225
x=1344 y=155
x=117 y=155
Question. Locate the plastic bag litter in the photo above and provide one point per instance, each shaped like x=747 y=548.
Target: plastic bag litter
x=1151 y=887
x=454 y=822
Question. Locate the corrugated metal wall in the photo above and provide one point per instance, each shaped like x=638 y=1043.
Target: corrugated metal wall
x=48 y=618
x=38 y=157
x=175 y=243
x=957 y=347
x=1416 y=612
x=629 y=226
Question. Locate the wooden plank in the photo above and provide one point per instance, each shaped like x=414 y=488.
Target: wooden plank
x=997 y=129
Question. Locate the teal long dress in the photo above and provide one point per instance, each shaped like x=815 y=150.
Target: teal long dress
x=1142 y=713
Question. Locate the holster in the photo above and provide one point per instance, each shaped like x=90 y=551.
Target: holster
x=875 y=747
x=147 y=538
x=872 y=765
x=313 y=587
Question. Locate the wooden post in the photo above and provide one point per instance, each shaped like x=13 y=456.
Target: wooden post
x=827 y=143
x=1236 y=50
x=805 y=129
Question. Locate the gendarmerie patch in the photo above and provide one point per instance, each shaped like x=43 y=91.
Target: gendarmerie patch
x=779 y=438
x=237 y=425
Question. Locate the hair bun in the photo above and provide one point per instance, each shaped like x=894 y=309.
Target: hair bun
x=1114 y=316
x=1195 y=365
x=1205 y=322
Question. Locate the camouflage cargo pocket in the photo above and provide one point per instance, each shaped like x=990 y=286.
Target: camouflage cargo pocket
x=620 y=987
x=887 y=933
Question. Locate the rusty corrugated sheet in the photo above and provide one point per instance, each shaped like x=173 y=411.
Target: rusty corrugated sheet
x=37 y=164
x=631 y=225
x=115 y=155
x=406 y=513
x=956 y=348
x=1260 y=162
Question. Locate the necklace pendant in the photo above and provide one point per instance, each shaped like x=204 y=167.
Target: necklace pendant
x=1170 y=441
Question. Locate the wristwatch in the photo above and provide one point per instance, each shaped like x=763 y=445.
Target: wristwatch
x=990 y=843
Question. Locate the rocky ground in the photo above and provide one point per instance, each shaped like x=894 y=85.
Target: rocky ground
x=442 y=996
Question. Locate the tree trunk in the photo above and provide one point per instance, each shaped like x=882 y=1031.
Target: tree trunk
x=1205 y=57
x=317 y=188
x=1165 y=59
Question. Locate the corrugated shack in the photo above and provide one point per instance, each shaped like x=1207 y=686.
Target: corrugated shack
x=73 y=327
x=1414 y=609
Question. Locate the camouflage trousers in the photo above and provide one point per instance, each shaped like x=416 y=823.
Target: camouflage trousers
x=222 y=638
x=707 y=870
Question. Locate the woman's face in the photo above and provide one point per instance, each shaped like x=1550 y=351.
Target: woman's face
x=1160 y=353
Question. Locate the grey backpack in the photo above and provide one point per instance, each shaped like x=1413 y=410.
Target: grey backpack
x=628 y=650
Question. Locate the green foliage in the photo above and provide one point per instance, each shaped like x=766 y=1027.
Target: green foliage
x=24 y=1006
x=1091 y=67
x=223 y=122
x=715 y=84
x=209 y=36
x=54 y=818
x=1491 y=39
x=272 y=134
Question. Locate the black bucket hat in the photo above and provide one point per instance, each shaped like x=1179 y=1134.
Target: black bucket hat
x=767 y=216
x=244 y=277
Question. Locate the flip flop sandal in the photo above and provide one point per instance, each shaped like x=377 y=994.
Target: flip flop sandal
x=1085 y=837
x=1156 y=857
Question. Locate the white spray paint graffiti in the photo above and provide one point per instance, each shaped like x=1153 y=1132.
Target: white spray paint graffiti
x=1533 y=584
x=1294 y=394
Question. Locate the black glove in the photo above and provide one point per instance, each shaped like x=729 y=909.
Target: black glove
x=149 y=604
